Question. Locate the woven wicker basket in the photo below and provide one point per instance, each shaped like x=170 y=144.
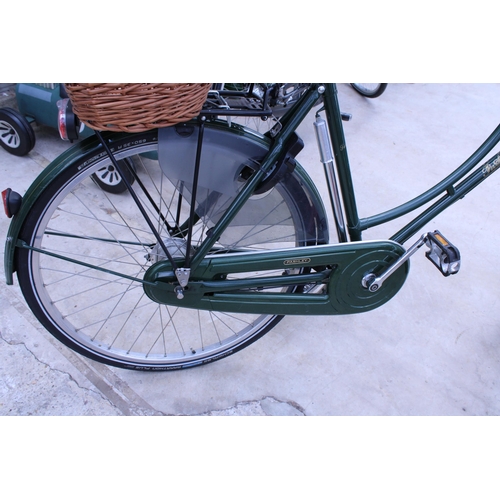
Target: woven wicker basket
x=136 y=107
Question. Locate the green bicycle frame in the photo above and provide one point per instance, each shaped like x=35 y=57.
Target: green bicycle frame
x=338 y=268
x=219 y=295
x=451 y=189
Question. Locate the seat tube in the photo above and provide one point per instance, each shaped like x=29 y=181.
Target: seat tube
x=334 y=120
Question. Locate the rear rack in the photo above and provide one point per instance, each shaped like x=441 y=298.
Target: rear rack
x=249 y=100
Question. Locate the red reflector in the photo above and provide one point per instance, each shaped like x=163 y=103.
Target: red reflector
x=11 y=202
x=61 y=118
x=5 y=194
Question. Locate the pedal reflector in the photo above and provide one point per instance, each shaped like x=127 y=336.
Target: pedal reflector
x=443 y=254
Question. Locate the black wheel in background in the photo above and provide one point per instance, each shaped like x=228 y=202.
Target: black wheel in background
x=16 y=135
x=369 y=89
x=110 y=180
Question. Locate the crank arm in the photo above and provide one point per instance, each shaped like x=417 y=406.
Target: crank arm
x=444 y=255
x=373 y=282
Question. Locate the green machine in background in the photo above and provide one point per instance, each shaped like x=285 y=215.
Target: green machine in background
x=37 y=103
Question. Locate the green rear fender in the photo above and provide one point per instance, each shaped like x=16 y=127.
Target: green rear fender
x=85 y=148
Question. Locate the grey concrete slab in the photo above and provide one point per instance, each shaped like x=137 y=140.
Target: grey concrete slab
x=433 y=350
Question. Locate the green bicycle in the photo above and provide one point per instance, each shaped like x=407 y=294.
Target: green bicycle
x=224 y=233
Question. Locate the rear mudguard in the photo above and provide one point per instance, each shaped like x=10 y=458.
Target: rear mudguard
x=62 y=162
x=338 y=270
x=238 y=138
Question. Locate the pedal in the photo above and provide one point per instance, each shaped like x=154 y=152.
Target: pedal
x=443 y=254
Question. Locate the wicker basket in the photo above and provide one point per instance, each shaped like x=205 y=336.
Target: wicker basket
x=136 y=107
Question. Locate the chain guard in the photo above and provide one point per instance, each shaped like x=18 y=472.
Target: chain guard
x=343 y=291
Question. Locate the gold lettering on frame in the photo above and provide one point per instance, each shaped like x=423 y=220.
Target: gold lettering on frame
x=491 y=166
x=295 y=262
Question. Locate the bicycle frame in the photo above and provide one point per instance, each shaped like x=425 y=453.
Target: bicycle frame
x=452 y=188
x=339 y=269
x=449 y=190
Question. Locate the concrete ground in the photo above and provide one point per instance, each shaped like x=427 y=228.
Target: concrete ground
x=433 y=350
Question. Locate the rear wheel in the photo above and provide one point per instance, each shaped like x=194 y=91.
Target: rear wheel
x=91 y=250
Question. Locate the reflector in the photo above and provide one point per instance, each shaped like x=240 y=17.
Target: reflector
x=11 y=202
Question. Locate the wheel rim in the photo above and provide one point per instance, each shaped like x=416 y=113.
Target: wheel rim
x=9 y=135
x=110 y=315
